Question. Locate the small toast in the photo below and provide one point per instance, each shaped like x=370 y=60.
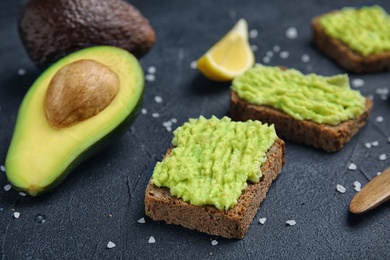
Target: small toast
x=232 y=223
x=347 y=58
x=327 y=137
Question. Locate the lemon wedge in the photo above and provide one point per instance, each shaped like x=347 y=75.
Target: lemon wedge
x=229 y=57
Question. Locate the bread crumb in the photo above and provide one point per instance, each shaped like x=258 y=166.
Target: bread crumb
x=151 y=240
x=341 y=188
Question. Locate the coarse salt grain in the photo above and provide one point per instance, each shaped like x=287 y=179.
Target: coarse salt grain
x=382 y=91
x=292 y=33
x=379 y=119
x=375 y=143
x=22 y=194
x=269 y=54
x=21 y=72
x=155 y=115
x=253 y=33
x=152 y=70
x=110 y=244
x=7 y=187
x=144 y=111
x=169 y=129
x=141 y=221
x=284 y=54
x=378 y=173
x=352 y=167
x=341 y=188
x=357 y=185
x=174 y=120
x=266 y=59
x=254 y=47
x=367 y=145
x=16 y=214
x=150 y=77
x=193 y=65
x=151 y=240
x=357 y=83
x=291 y=222
x=382 y=157
x=158 y=99
x=262 y=220
x=214 y=242
x=276 y=48
x=2 y=167
x=305 y=58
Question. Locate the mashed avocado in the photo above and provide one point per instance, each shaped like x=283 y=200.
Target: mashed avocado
x=365 y=30
x=325 y=100
x=213 y=159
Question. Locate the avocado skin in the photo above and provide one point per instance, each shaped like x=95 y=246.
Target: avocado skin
x=50 y=30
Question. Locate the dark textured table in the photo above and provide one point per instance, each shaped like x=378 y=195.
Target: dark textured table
x=103 y=199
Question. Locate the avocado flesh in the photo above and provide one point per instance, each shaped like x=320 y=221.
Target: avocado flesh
x=39 y=156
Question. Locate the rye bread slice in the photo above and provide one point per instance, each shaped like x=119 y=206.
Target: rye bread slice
x=232 y=223
x=327 y=137
x=344 y=56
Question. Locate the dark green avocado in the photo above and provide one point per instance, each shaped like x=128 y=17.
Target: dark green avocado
x=52 y=29
x=77 y=106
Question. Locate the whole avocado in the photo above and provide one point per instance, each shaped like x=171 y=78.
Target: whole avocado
x=50 y=30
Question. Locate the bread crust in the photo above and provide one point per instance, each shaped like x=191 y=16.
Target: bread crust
x=344 y=56
x=327 y=137
x=232 y=223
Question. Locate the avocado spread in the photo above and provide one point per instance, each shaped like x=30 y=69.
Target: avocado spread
x=365 y=30
x=213 y=159
x=325 y=100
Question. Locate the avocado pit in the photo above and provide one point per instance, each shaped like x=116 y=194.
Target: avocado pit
x=78 y=91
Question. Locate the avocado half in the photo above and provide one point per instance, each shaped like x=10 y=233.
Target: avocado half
x=40 y=156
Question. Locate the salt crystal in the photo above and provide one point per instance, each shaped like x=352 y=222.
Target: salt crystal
x=284 y=54
x=21 y=72
x=352 y=167
x=375 y=143
x=141 y=221
x=276 y=48
x=151 y=240
x=269 y=54
x=382 y=157
x=144 y=111
x=193 y=65
x=169 y=129
x=367 y=145
x=16 y=214
x=174 y=120
x=214 y=242
x=292 y=33
x=291 y=222
x=388 y=139
x=379 y=119
x=305 y=58
x=341 y=188
x=22 y=194
x=2 y=167
x=262 y=220
x=152 y=70
x=7 y=187
x=378 y=173
x=357 y=83
x=357 y=184
x=110 y=244
x=254 y=47
x=150 y=77
x=158 y=99
x=357 y=188
x=266 y=60
x=155 y=115
x=253 y=33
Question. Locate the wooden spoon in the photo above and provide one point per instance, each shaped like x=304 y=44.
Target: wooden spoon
x=374 y=193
